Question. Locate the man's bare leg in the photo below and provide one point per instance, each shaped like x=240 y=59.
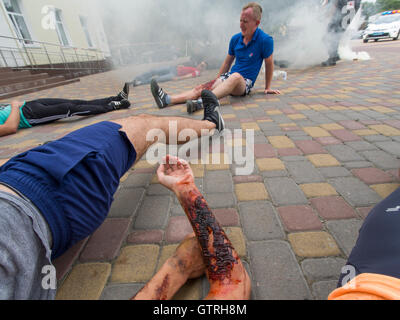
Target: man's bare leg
x=137 y=128
x=235 y=85
x=186 y=263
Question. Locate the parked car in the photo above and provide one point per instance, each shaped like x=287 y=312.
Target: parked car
x=387 y=26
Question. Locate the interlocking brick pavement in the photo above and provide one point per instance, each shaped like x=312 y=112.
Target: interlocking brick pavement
x=326 y=151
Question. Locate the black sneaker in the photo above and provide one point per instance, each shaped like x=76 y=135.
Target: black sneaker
x=124 y=94
x=330 y=62
x=211 y=109
x=158 y=94
x=193 y=106
x=123 y=104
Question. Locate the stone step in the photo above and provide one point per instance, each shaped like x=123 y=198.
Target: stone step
x=30 y=77
x=14 y=74
x=29 y=84
x=35 y=89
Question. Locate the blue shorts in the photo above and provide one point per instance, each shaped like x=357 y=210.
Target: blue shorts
x=72 y=181
x=377 y=249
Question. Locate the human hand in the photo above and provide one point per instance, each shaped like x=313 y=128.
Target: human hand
x=272 y=91
x=16 y=104
x=174 y=172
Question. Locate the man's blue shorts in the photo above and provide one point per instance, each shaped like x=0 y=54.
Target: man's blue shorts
x=72 y=181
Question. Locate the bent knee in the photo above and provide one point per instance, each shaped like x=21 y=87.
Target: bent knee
x=236 y=77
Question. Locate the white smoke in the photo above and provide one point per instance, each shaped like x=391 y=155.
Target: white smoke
x=346 y=51
x=204 y=28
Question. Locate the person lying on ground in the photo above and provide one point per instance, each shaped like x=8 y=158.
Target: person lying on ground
x=172 y=73
x=18 y=115
x=250 y=48
x=59 y=193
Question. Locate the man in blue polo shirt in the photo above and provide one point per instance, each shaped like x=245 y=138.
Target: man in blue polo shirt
x=250 y=48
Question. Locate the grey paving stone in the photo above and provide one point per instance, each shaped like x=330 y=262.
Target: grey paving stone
x=280 y=119
x=269 y=126
x=322 y=269
x=220 y=200
x=153 y=213
x=218 y=181
x=361 y=145
x=271 y=133
x=158 y=190
x=344 y=153
x=390 y=147
x=300 y=138
x=276 y=273
x=136 y=180
x=382 y=159
x=358 y=164
x=376 y=138
x=285 y=191
x=374 y=115
x=345 y=233
x=293 y=158
x=355 y=192
x=322 y=289
x=337 y=116
x=123 y=291
x=177 y=210
x=259 y=221
x=126 y=202
x=304 y=172
x=334 y=172
x=274 y=174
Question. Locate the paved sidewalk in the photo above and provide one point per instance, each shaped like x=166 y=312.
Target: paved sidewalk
x=326 y=151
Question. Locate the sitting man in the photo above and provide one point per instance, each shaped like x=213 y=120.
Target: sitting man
x=250 y=48
x=209 y=251
x=59 y=193
x=19 y=115
x=175 y=73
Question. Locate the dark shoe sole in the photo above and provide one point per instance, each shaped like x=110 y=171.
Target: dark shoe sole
x=190 y=107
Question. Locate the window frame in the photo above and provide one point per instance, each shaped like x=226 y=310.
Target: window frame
x=62 y=22
x=86 y=31
x=15 y=27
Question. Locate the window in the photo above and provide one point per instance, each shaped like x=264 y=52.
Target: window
x=61 y=31
x=18 y=20
x=85 y=28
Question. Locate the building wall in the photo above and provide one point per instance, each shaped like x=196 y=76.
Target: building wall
x=42 y=30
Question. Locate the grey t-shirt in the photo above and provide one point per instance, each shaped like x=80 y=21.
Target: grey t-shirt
x=26 y=272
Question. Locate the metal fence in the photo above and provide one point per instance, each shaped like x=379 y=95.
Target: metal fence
x=38 y=55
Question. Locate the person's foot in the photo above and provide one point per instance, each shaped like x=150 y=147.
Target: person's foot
x=124 y=94
x=158 y=94
x=193 y=106
x=329 y=62
x=123 y=104
x=211 y=109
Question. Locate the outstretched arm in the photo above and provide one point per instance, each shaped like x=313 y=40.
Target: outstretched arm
x=12 y=122
x=269 y=73
x=225 y=271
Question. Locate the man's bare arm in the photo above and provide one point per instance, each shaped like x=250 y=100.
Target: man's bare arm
x=226 y=66
x=269 y=73
x=12 y=122
x=227 y=276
